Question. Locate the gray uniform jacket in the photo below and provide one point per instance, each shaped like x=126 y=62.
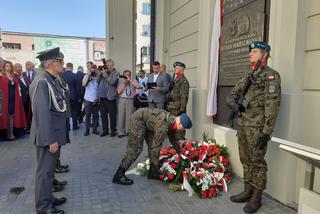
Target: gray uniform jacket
x=48 y=123
x=108 y=81
x=163 y=83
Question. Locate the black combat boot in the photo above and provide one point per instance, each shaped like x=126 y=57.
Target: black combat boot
x=243 y=196
x=121 y=178
x=154 y=173
x=255 y=202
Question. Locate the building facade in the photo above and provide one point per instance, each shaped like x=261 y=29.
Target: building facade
x=21 y=47
x=183 y=32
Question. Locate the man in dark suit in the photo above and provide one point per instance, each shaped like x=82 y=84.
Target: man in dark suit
x=158 y=87
x=71 y=80
x=29 y=73
x=49 y=128
x=24 y=84
x=80 y=90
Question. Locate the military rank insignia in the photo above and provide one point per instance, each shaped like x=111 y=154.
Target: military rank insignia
x=272 y=88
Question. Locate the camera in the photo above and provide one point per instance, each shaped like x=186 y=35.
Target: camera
x=123 y=77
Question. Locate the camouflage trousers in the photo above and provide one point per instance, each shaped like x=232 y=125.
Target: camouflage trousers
x=138 y=133
x=252 y=159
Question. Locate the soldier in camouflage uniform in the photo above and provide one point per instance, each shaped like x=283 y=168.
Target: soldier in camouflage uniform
x=178 y=97
x=256 y=123
x=152 y=125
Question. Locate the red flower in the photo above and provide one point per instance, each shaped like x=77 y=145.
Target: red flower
x=178 y=159
x=218 y=169
x=228 y=176
x=204 y=194
x=161 y=176
x=217 y=151
x=173 y=166
x=200 y=175
x=170 y=176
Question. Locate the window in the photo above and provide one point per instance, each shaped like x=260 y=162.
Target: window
x=14 y=46
x=145 y=30
x=32 y=47
x=146 y=9
x=145 y=51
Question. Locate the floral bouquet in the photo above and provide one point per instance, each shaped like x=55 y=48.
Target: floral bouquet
x=141 y=169
x=202 y=168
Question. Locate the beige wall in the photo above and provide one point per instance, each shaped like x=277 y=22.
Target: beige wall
x=120 y=33
x=19 y=56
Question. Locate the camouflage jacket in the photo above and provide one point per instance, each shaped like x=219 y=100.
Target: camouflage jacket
x=264 y=99
x=178 y=98
x=157 y=121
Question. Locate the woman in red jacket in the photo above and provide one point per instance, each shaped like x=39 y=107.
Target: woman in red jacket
x=12 y=107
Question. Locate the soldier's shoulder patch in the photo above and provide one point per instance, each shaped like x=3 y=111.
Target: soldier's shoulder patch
x=272 y=88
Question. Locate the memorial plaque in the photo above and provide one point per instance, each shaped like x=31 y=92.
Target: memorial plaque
x=231 y=5
x=241 y=26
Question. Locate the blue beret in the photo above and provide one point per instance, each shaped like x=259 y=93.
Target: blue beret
x=260 y=45
x=185 y=121
x=51 y=54
x=179 y=64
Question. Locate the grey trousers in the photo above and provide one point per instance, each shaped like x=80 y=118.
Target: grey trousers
x=125 y=110
x=44 y=176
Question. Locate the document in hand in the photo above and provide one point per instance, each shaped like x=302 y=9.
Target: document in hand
x=152 y=84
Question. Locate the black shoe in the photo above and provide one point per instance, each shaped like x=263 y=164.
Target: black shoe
x=53 y=210
x=57 y=188
x=120 y=135
x=60 y=183
x=104 y=133
x=65 y=166
x=243 y=196
x=27 y=131
x=96 y=132
x=254 y=203
x=62 y=170
x=113 y=134
x=121 y=178
x=154 y=173
x=86 y=133
x=59 y=201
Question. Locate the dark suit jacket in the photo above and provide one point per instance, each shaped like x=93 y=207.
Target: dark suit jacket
x=24 y=86
x=162 y=82
x=71 y=80
x=80 y=88
x=24 y=74
x=48 y=124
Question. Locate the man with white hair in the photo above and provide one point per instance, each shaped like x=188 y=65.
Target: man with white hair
x=49 y=128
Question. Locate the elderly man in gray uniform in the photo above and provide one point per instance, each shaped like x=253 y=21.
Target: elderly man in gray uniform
x=49 y=128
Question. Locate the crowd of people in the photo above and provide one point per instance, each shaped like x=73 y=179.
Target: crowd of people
x=101 y=92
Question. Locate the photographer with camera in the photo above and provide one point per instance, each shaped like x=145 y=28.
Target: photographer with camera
x=107 y=93
x=126 y=90
x=91 y=104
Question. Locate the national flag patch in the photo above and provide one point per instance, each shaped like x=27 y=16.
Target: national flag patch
x=271 y=77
